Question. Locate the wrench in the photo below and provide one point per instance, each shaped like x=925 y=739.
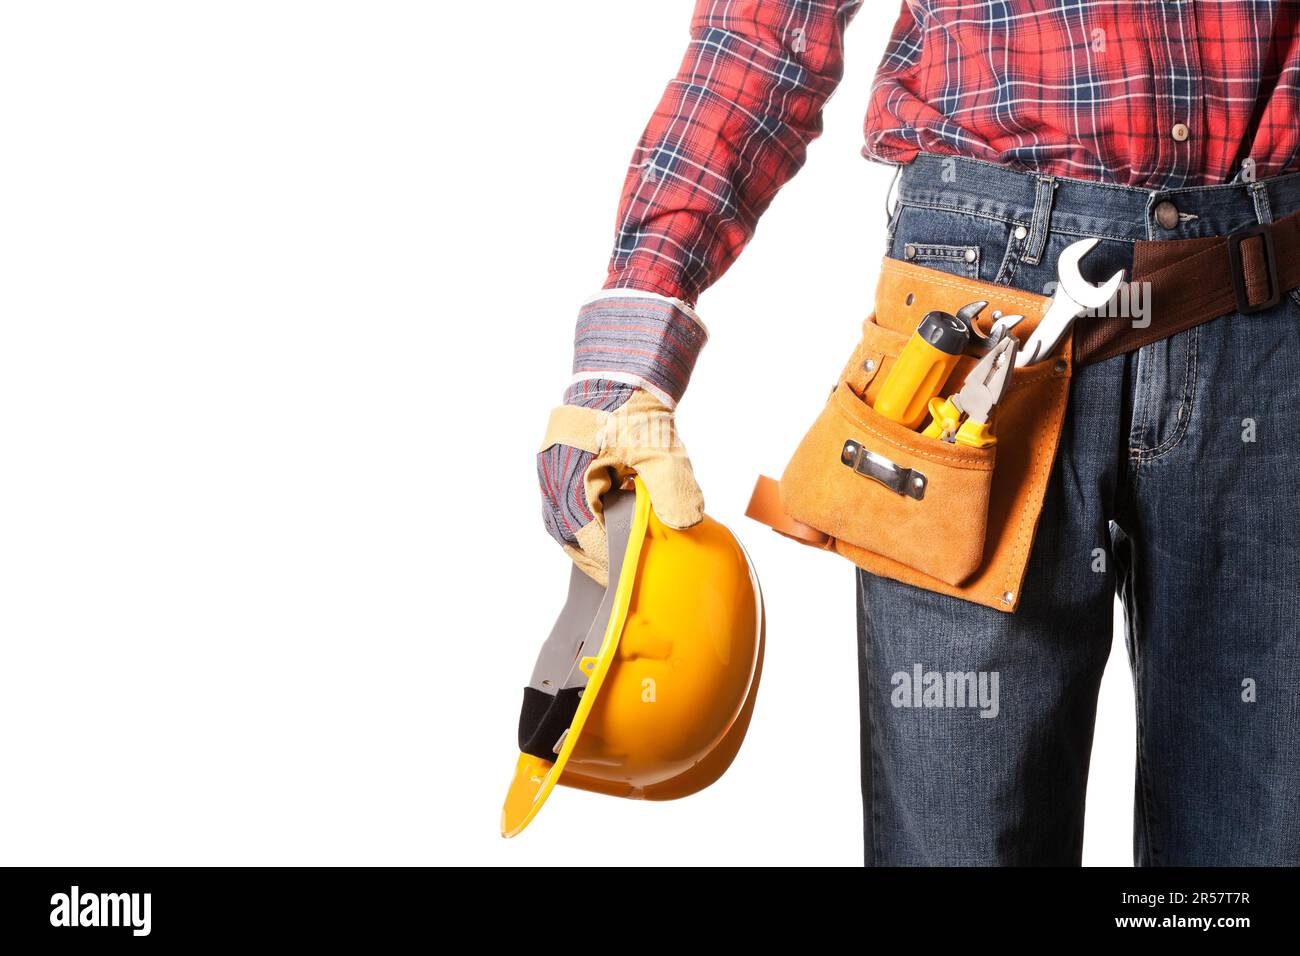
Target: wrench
x=1074 y=296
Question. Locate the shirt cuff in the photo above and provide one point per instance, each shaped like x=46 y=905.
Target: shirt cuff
x=638 y=338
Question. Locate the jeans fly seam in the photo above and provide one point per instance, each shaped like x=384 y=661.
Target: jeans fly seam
x=1186 y=403
x=1137 y=432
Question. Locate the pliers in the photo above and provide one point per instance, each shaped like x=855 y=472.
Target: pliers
x=963 y=418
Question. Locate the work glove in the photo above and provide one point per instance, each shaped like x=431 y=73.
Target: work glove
x=633 y=355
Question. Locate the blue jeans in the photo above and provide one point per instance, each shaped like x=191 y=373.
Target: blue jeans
x=1177 y=486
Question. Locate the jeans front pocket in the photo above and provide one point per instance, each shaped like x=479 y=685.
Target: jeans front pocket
x=973 y=247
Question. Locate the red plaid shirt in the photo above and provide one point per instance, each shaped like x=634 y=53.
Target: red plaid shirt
x=1149 y=93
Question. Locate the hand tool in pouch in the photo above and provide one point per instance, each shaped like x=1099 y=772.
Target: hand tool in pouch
x=963 y=418
x=1074 y=296
x=963 y=521
x=981 y=344
x=925 y=364
x=968 y=535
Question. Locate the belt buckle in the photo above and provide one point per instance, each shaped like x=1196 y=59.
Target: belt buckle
x=1265 y=232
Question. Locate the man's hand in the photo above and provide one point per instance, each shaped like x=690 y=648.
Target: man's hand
x=606 y=432
x=633 y=353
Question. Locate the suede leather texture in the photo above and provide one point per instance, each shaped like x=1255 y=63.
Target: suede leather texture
x=970 y=535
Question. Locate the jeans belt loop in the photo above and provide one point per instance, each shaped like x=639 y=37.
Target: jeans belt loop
x=1036 y=242
x=1259 y=195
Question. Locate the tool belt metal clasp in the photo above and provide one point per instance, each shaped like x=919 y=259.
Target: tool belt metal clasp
x=901 y=481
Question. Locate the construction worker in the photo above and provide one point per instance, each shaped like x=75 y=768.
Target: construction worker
x=1020 y=127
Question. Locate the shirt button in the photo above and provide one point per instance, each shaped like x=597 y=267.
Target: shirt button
x=1181 y=132
x=1167 y=215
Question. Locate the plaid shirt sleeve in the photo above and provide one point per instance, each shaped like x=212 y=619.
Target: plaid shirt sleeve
x=730 y=130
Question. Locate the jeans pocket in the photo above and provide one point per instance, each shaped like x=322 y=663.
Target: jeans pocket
x=973 y=247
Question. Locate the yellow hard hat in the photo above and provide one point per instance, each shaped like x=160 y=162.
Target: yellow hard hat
x=644 y=689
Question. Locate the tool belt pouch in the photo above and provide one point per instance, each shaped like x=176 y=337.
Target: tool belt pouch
x=945 y=517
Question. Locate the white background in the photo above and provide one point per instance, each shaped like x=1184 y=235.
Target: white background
x=287 y=293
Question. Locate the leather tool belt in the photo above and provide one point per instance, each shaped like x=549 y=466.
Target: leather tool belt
x=960 y=520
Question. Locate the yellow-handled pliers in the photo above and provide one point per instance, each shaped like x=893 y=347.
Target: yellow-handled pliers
x=964 y=417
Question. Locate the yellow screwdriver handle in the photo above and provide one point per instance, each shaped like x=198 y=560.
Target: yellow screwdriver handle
x=921 y=368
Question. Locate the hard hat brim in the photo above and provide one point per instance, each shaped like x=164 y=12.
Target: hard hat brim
x=535 y=777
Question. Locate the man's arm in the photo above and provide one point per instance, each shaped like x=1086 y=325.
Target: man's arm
x=730 y=130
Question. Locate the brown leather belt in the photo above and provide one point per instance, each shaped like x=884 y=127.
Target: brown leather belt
x=1186 y=282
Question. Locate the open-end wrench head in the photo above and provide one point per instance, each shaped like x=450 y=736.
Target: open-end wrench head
x=1070 y=278
x=1074 y=296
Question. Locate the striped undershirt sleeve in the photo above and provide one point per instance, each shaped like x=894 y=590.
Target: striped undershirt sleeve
x=637 y=339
